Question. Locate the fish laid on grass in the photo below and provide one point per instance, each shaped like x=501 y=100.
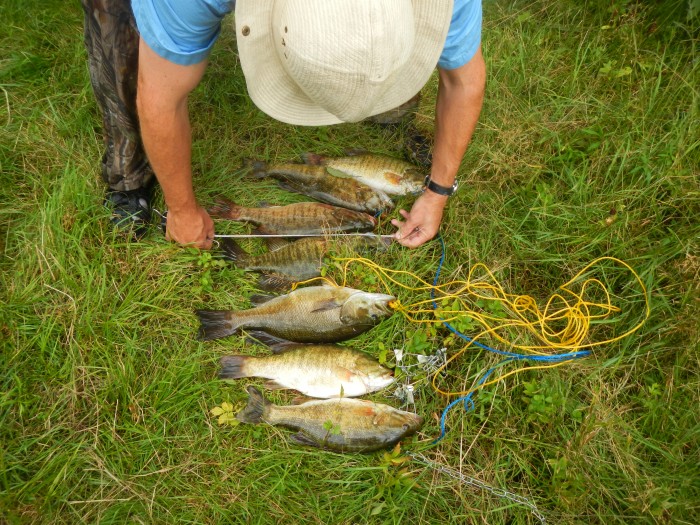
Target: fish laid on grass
x=341 y=425
x=315 y=314
x=280 y=268
x=302 y=218
x=290 y=262
x=317 y=183
x=322 y=371
x=387 y=174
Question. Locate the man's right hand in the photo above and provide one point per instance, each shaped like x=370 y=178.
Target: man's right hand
x=193 y=228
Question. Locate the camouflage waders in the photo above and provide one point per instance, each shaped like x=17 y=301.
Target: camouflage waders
x=112 y=42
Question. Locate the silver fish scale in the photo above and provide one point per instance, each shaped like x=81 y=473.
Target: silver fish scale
x=468 y=480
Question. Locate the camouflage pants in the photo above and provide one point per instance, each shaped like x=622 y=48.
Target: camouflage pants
x=112 y=43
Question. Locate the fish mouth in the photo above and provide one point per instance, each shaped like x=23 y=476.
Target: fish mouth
x=385 y=304
x=414 y=423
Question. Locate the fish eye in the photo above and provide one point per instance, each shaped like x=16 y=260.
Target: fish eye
x=405 y=426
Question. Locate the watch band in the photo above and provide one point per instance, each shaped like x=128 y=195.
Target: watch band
x=440 y=190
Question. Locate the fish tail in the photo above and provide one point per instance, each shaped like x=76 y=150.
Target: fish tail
x=258 y=168
x=256 y=409
x=233 y=367
x=215 y=324
x=233 y=252
x=225 y=209
x=312 y=158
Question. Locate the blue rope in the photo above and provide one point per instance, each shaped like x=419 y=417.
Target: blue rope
x=510 y=356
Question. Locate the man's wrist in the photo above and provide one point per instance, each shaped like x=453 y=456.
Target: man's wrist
x=183 y=207
x=440 y=189
x=435 y=198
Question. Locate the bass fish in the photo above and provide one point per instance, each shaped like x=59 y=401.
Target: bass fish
x=387 y=174
x=315 y=182
x=291 y=262
x=341 y=425
x=302 y=218
x=315 y=314
x=322 y=371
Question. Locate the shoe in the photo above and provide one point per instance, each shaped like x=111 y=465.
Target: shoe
x=418 y=148
x=131 y=210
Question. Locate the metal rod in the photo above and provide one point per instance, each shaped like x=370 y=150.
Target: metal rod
x=294 y=235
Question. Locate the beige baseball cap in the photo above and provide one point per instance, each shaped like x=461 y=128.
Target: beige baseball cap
x=318 y=62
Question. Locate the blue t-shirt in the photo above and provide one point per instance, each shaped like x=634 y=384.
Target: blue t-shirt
x=184 y=31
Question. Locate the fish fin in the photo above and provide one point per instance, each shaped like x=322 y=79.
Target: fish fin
x=262 y=230
x=274 y=282
x=276 y=243
x=313 y=158
x=337 y=173
x=255 y=410
x=259 y=298
x=355 y=152
x=225 y=209
x=232 y=366
x=215 y=324
x=288 y=186
x=274 y=385
x=232 y=252
x=264 y=204
x=265 y=339
x=324 y=306
x=302 y=439
x=300 y=400
x=258 y=168
x=285 y=346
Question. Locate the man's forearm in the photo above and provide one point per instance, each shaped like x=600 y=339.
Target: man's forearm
x=162 y=94
x=459 y=101
x=167 y=138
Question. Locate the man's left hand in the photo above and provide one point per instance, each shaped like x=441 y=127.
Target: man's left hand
x=423 y=222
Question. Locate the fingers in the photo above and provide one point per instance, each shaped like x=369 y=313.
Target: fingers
x=414 y=239
x=195 y=230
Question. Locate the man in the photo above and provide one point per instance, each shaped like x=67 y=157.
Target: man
x=306 y=62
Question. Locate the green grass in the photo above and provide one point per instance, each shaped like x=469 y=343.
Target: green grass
x=588 y=146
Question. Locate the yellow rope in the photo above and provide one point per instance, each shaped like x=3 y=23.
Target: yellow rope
x=566 y=307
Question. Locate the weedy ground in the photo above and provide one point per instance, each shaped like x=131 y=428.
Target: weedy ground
x=588 y=145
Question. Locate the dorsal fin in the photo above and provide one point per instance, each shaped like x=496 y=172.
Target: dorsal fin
x=258 y=299
x=312 y=158
x=301 y=399
x=285 y=346
x=354 y=152
x=276 y=243
x=263 y=338
x=303 y=439
x=274 y=282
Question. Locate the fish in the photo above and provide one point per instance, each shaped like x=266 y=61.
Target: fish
x=321 y=371
x=288 y=262
x=314 y=314
x=280 y=268
x=301 y=218
x=387 y=174
x=315 y=182
x=341 y=425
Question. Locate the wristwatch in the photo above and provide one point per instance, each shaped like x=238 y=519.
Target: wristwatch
x=440 y=190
